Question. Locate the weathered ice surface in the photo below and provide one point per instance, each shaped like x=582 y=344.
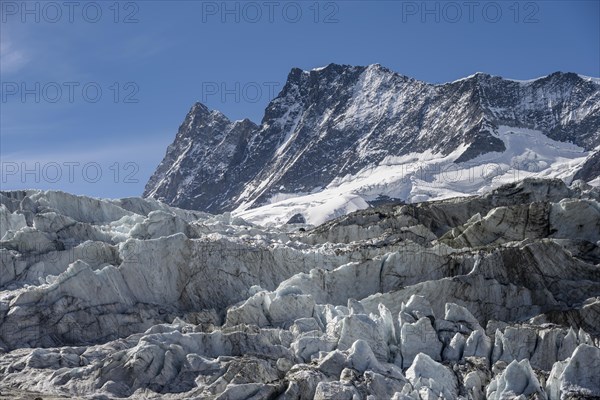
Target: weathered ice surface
x=494 y=296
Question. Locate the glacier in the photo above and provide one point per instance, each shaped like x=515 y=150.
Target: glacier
x=494 y=295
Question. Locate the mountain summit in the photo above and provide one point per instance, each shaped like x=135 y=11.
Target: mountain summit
x=340 y=137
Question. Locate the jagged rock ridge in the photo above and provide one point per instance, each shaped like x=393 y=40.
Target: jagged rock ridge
x=334 y=122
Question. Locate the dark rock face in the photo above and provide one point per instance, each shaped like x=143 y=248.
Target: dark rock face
x=297 y=219
x=590 y=169
x=202 y=163
x=335 y=121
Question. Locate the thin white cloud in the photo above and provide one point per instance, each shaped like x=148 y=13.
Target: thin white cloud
x=12 y=58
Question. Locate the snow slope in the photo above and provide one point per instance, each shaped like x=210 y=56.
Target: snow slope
x=419 y=177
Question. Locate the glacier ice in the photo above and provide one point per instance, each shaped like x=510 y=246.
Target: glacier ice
x=492 y=296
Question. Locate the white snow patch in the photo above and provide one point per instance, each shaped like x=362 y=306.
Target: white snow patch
x=464 y=78
x=591 y=79
x=418 y=177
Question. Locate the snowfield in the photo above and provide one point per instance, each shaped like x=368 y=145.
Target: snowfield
x=419 y=177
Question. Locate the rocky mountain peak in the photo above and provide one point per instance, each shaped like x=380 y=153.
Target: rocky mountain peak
x=333 y=123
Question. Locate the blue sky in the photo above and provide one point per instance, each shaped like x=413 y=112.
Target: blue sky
x=92 y=94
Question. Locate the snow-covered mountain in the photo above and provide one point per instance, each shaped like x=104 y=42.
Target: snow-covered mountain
x=339 y=138
x=492 y=297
